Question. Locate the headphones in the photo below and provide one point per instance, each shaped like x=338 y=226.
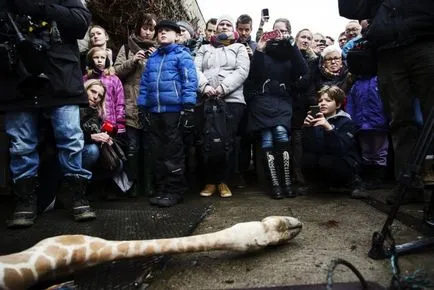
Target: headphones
x=91 y=64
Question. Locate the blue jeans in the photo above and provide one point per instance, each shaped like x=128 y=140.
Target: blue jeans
x=277 y=134
x=90 y=155
x=22 y=129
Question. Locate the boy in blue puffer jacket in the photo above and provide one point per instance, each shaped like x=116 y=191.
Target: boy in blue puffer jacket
x=166 y=101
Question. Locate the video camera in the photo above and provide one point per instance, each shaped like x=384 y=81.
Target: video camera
x=26 y=42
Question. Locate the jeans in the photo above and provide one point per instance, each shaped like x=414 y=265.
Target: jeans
x=90 y=155
x=277 y=134
x=22 y=129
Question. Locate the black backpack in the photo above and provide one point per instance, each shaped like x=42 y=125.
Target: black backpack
x=216 y=131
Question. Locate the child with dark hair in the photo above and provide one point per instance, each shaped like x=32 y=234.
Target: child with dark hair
x=331 y=154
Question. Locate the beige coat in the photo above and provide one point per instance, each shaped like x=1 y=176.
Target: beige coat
x=227 y=66
x=130 y=73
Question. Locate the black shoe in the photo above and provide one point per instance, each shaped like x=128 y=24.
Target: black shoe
x=288 y=192
x=132 y=192
x=240 y=182
x=26 y=203
x=428 y=217
x=81 y=210
x=358 y=188
x=276 y=193
x=168 y=200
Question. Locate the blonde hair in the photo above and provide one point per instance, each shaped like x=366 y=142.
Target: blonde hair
x=95 y=82
x=107 y=71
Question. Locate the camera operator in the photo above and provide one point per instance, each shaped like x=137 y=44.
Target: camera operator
x=44 y=77
x=403 y=34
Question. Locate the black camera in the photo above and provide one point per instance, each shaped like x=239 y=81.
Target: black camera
x=26 y=43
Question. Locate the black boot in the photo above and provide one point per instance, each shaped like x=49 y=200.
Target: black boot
x=76 y=187
x=271 y=172
x=358 y=188
x=26 y=203
x=284 y=165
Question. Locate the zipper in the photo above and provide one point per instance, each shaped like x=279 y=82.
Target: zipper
x=176 y=90
x=158 y=84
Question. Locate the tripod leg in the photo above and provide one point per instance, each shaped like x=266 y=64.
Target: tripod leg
x=429 y=210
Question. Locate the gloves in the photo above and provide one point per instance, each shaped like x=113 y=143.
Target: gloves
x=144 y=119
x=187 y=119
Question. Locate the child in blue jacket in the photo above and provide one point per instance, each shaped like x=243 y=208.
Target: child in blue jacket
x=166 y=101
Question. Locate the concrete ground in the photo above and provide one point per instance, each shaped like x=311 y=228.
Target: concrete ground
x=334 y=226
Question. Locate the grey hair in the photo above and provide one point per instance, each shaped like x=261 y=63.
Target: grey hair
x=330 y=49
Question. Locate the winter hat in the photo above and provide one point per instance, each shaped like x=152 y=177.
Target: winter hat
x=168 y=24
x=227 y=18
x=187 y=26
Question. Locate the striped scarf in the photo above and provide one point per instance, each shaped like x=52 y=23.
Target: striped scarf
x=224 y=39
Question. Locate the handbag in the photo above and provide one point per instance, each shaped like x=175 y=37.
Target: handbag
x=361 y=59
x=111 y=156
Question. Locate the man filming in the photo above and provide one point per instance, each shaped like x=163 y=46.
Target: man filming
x=39 y=42
x=403 y=34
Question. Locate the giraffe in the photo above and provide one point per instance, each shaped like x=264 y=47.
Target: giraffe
x=60 y=255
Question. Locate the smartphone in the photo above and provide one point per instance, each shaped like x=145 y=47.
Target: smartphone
x=271 y=35
x=265 y=14
x=314 y=110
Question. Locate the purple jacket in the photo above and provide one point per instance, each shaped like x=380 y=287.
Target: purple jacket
x=365 y=106
x=114 y=104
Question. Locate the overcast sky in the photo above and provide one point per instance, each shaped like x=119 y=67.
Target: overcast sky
x=317 y=15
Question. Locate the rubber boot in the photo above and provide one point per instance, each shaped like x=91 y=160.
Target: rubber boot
x=271 y=173
x=26 y=203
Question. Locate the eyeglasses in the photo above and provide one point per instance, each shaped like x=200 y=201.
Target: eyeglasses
x=352 y=29
x=336 y=58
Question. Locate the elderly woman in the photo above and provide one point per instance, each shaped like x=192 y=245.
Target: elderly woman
x=223 y=66
x=276 y=67
x=331 y=70
x=129 y=66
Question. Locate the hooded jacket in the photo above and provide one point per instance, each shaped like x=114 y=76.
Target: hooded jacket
x=169 y=81
x=341 y=141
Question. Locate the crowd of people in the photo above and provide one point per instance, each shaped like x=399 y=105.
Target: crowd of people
x=317 y=125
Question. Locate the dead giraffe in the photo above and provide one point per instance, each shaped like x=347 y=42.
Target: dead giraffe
x=59 y=255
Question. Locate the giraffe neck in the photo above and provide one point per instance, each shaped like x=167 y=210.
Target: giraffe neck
x=61 y=255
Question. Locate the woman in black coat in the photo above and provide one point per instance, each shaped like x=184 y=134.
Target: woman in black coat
x=275 y=66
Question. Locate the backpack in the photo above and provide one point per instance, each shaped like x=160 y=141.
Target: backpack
x=216 y=130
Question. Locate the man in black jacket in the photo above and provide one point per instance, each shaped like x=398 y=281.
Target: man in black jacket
x=403 y=34
x=45 y=77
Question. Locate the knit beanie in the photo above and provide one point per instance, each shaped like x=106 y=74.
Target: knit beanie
x=187 y=26
x=227 y=18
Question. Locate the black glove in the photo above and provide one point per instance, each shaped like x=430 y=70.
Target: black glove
x=187 y=119
x=144 y=119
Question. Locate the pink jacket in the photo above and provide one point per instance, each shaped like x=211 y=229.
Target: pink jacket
x=114 y=103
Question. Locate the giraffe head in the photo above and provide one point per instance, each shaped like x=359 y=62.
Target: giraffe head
x=281 y=229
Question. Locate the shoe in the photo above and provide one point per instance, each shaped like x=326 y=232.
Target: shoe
x=240 y=182
x=168 y=200
x=224 y=190
x=358 y=189
x=428 y=216
x=132 y=192
x=208 y=190
x=277 y=193
x=26 y=203
x=76 y=187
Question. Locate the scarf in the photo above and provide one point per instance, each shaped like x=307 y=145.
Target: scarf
x=224 y=39
x=135 y=43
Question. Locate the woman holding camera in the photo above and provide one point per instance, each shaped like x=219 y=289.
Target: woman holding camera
x=129 y=65
x=276 y=66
